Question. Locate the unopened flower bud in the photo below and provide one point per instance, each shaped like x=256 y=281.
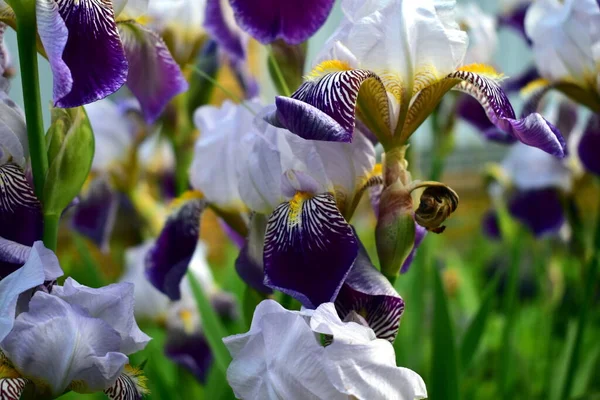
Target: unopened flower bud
x=437 y=203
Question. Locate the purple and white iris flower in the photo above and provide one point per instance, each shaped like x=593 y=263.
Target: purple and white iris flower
x=387 y=66
x=293 y=21
x=314 y=354
x=64 y=338
x=95 y=46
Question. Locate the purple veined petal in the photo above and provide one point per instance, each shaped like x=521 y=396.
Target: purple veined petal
x=93 y=52
x=470 y=110
x=13 y=252
x=325 y=107
x=221 y=29
x=94 y=216
x=18 y=208
x=249 y=264
x=12 y=388
x=294 y=21
x=154 y=77
x=190 y=352
x=533 y=129
x=309 y=249
x=420 y=233
x=168 y=260
x=367 y=292
x=590 y=144
x=52 y=328
x=130 y=385
x=113 y=304
x=54 y=34
x=540 y=210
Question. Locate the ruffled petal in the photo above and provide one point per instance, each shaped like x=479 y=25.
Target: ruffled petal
x=93 y=52
x=368 y=293
x=42 y=336
x=18 y=208
x=112 y=304
x=168 y=260
x=532 y=130
x=95 y=214
x=294 y=21
x=309 y=249
x=154 y=77
x=323 y=108
x=219 y=24
x=589 y=145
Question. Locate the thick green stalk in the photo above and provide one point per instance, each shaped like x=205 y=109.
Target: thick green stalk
x=26 y=36
x=591 y=279
x=51 y=222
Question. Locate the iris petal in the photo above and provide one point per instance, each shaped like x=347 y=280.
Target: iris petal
x=293 y=20
x=367 y=292
x=309 y=249
x=218 y=26
x=589 y=145
x=154 y=76
x=93 y=52
x=249 y=264
x=168 y=260
x=18 y=208
x=191 y=352
x=12 y=388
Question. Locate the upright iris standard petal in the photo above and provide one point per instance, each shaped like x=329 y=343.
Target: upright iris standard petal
x=294 y=21
x=113 y=304
x=154 y=77
x=589 y=145
x=93 y=52
x=18 y=208
x=95 y=214
x=309 y=249
x=532 y=130
x=55 y=345
x=168 y=260
x=368 y=293
x=323 y=108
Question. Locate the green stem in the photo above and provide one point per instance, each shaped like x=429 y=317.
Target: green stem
x=51 y=222
x=26 y=37
x=591 y=279
x=211 y=325
x=278 y=74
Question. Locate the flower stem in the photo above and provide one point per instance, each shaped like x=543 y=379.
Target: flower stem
x=591 y=280
x=51 y=222
x=278 y=73
x=26 y=36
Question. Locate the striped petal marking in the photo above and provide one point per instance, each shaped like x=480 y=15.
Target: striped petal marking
x=368 y=293
x=325 y=106
x=130 y=385
x=533 y=130
x=309 y=249
x=12 y=388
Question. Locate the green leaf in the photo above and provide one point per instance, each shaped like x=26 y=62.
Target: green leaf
x=211 y=324
x=474 y=332
x=70 y=154
x=444 y=366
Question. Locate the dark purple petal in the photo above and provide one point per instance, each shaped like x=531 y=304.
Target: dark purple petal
x=532 y=130
x=420 y=233
x=294 y=21
x=20 y=212
x=309 y=249
x=540 y=210
x=154 y=77
x=94 y=216
x=54 y=34
x=367 y=292
x=93 y=52
x=168 y=260
x=190 y=352
x=589 y=146
x=490 y=225
x=515 y=19
x=470 y=110
x=227 y=36
x=518 y=82
x=249 y=264
x=324 y=108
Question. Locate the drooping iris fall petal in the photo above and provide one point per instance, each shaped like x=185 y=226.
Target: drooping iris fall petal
x=590 y=144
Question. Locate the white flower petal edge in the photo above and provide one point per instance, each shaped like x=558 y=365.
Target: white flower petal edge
x=282 y=357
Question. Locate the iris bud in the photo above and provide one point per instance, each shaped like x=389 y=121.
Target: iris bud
x=437 y=203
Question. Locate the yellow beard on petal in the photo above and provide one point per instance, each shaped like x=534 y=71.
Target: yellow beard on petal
x=327 y=67
x=534 y=86
x=296 y=207
x=482 y=69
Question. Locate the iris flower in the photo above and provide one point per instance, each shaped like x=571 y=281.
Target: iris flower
x=387 y=66
x=41 y=324
x=314 y=354
x=95 y=46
